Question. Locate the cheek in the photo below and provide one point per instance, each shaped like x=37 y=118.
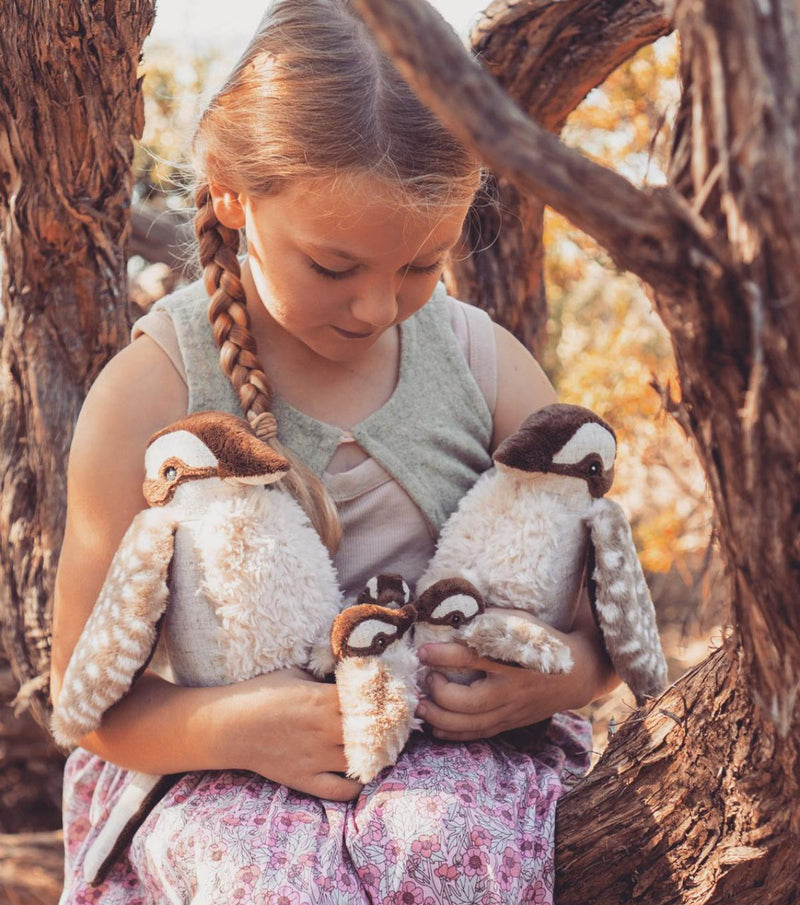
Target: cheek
x=414 y=293
x=292 y=294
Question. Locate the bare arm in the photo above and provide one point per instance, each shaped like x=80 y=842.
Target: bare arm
x=160 y=727
x=522 y=385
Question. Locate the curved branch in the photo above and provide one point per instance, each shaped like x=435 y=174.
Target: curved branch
x=547 y=56
x=647 y=232
x=570 y=48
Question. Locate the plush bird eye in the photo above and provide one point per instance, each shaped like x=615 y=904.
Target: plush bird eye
x=371 y=633
x=170 y=473
x=456 y=620
x=595 y=469
x=461 y=605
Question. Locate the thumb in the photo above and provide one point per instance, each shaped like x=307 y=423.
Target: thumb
x=451 y=654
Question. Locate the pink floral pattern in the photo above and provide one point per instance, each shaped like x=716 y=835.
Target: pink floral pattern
x=456 y=823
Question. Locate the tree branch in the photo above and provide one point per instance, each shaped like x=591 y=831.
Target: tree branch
x=647 y=232
x=547 y=56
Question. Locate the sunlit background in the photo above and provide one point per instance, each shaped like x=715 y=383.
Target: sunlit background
x=196 y=24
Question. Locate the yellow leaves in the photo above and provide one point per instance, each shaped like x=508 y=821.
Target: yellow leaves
x=660 y=538
x=173 y=97
x=606 y=342
x=622 y=123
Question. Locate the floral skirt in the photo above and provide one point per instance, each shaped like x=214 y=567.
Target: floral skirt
x=449 y=824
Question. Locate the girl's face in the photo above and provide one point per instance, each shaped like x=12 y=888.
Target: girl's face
x=337 y=264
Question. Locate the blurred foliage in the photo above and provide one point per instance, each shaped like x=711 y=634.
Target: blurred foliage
x=607 y=345
x=176 y=89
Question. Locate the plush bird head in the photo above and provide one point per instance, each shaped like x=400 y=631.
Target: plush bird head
x=446 y=608
x=562 y=441
x=388 y=589
x=368 y=630
x=207 y=445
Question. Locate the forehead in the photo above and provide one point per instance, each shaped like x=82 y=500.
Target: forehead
x=359 y=215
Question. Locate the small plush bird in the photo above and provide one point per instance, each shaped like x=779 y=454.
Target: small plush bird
x=533 y=531
x=447 y=611
x=387 y=589
x=376 y=678
x=232 y=575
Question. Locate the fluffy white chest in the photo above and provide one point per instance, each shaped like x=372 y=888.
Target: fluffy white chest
x=252 y=588
x=524 y=547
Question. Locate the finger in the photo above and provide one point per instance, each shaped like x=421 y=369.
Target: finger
x=334 y=761
x=439 y=718
x=448 y=654
x=334 y=787
x=458 y=656
x=479 y=697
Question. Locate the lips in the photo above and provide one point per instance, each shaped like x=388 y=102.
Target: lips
x=349 y=334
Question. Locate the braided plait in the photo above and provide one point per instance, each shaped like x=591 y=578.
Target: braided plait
x=238 y=356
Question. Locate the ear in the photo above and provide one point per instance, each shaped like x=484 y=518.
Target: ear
x=227 y=206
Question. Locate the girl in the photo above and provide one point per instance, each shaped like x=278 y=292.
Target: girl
x=393 y=395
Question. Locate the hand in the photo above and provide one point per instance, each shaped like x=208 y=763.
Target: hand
x=288 y=728
x=510 y=697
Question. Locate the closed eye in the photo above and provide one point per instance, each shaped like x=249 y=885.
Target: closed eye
x=411 y=269
x=331 y=274
x=430 y=268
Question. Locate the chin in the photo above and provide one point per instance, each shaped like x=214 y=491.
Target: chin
x=342 y=349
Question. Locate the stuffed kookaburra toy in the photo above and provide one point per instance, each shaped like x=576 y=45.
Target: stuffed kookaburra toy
x=232 y=575
x=530 y=533
x=376 y=679
x=377 y=670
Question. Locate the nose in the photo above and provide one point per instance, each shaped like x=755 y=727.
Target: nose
x=376 y=304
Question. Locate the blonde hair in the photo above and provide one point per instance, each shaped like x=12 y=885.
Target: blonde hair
x=310 y=97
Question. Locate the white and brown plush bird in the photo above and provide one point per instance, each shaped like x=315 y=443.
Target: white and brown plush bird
x=524 y=535
x=448 y=610
x=233 y=576
x=376 y=679
x=387 y=589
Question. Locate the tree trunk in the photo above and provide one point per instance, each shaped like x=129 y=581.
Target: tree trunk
x=70 y=107
x=695 y=800
x=540 y=54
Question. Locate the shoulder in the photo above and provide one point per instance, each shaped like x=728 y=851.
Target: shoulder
x=522 y=385
x=137 y=393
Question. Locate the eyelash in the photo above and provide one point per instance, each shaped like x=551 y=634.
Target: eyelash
x=343 y=274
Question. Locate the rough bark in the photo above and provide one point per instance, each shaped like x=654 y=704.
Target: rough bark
x=696 y=800
x=30 y=767
x=70 y=106
x=547 y=57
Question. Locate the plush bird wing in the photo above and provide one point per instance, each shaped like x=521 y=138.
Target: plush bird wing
x=500 y=635
x=622 y=603
x=378 y=700
x=376 y=680
x=120 y=634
